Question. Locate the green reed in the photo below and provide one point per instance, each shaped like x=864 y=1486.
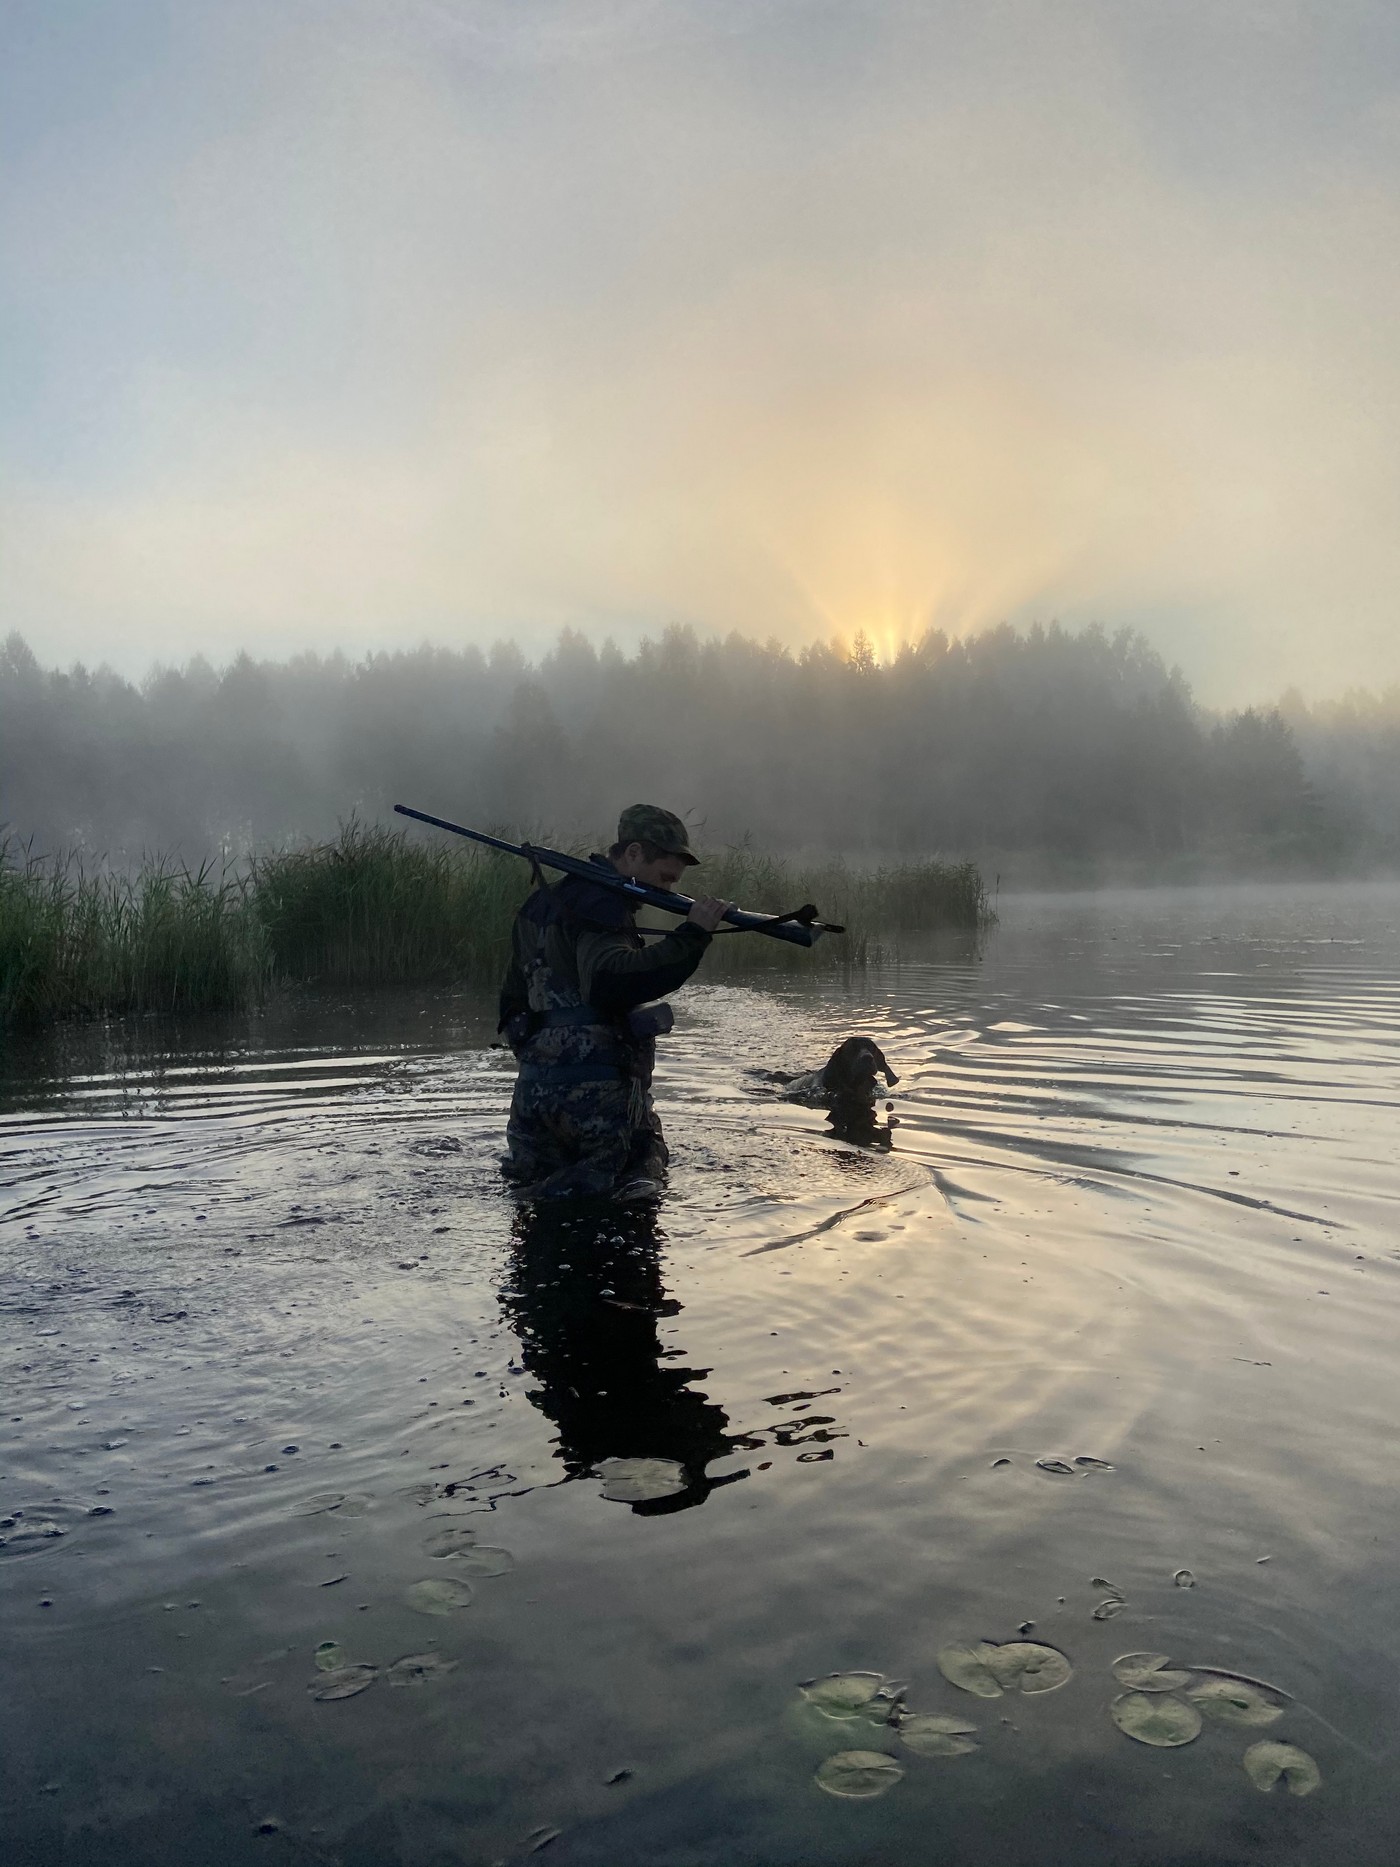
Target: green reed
x=388 y=907
x=874 y=906
x=76 y=942
x=379 y=907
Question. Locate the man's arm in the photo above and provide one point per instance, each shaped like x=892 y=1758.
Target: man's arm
x=515 y=997
x=615 y=977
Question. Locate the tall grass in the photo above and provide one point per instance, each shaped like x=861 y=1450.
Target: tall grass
x=873 y=905
x=387 y=907
x=379 y=907
x=76 y=943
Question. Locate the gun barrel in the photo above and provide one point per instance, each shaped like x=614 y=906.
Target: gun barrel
x=805 y=932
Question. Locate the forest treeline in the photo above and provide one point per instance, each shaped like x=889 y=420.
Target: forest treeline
x=1040 y=752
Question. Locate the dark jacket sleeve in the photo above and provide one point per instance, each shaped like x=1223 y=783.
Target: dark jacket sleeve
x=514 y=997
x=615 y=976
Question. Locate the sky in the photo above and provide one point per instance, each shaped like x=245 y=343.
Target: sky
x=351 y=323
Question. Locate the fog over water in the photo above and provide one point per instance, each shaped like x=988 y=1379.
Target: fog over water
x=1042 y=754
x=341 y=325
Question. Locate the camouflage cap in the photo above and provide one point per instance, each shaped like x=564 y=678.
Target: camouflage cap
x=649 y=823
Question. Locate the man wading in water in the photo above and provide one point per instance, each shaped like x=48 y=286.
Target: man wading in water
x=578 y=1010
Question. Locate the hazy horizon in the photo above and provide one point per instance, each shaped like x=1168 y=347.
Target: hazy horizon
x=535 y=648
x=357 y=325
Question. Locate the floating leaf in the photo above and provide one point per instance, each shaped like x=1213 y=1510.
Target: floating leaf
x=859 y=1774
x=843 y=1695
x=1106 y=1610
x=1027 y=1664
x=1153 y=1718
x=439 y=1597
x=343 y=1682
x=966 y=1668
x=1184 y=1579
x=640 y=1481
x=16 y=1534
x=935 y=1734
x=1148 y=1672
x=328 y=1657
x=344 y=1503
x=449 y=1542
x=415 y=1667
x=1058 y=1467
x=322 y=1501
x=1265 y=1763
x=1086 y=1464
x=1232 y=1701
x=987 y=1670
x=485 y=1559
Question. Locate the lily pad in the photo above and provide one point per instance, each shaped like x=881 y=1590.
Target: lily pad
x=1232 y=1701
x=344 y=1503
x=858 y=1774
x=966 y=1667
x=450 y=1542
x=641 y=1481
x=484 y=1559
x=1148 y=1672
x=442 y=1596
x=344 y=1682
x=413 y=1668
x=328 y=1657
x=1155 y=1718
x=987 y=1670
x=1027 y=1664
x=843 y=1695
x=935 y=1734
x=1265 y=1763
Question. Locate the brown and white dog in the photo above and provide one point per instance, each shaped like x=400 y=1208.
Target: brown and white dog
x=847 y=1079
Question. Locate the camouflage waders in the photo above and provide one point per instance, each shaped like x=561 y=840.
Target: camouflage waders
x=582 y=1117
x=581 y=981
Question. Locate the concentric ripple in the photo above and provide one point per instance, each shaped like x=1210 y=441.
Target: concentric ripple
x=1109 y=1296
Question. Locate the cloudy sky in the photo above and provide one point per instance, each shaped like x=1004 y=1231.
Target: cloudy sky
x=350 y=322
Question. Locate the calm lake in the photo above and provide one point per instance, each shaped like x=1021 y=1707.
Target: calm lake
x=278 y=1349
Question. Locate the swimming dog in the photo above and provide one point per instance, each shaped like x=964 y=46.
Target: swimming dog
x=847 y=1079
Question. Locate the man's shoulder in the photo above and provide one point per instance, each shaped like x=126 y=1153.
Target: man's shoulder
x=594 y=904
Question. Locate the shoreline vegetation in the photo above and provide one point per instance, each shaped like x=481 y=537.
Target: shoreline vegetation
x=382 y=907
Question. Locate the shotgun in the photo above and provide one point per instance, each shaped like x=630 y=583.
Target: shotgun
x=801 y=927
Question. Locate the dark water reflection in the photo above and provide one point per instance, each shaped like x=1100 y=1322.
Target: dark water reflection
x=584 y=1298
x=272 y=1335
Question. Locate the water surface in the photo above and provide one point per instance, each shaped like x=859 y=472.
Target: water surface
x=270 y=1326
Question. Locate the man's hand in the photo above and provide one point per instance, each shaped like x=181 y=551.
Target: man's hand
x=708 y=912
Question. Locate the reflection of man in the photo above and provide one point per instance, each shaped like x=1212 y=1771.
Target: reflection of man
x=583 y=1298
x=577 y=1007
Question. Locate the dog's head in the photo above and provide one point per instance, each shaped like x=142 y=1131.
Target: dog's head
x=851 y=1072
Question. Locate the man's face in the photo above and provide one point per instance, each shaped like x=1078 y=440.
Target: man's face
x=664 y=872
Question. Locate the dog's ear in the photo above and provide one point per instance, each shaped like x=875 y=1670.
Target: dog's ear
x=882 y=1065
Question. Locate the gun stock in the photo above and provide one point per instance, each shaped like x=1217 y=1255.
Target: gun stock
x=800 y=928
